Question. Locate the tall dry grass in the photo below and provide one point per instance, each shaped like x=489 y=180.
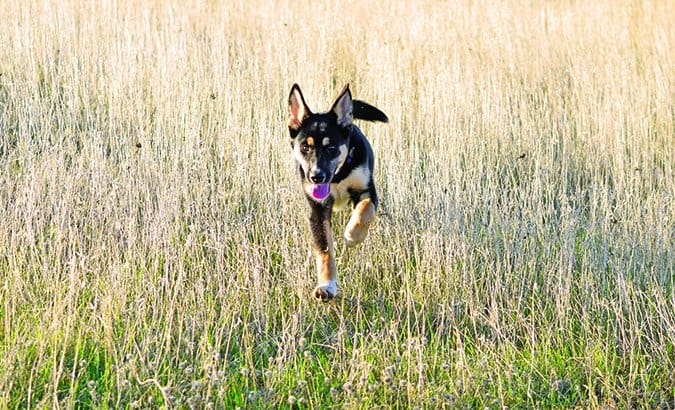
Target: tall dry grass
x=154 y=247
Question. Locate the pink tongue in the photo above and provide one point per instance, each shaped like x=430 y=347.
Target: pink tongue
x=320 y=191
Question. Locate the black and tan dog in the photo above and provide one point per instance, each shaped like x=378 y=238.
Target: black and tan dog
x=336 y=167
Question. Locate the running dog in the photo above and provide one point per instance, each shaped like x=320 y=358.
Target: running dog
x=335 y=162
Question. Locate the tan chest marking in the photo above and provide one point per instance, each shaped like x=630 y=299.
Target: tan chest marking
x=357 y=180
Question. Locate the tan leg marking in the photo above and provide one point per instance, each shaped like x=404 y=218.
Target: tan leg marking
x=357 y=227
x=327 y=271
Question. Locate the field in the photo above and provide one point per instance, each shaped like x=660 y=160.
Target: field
x=154 y=244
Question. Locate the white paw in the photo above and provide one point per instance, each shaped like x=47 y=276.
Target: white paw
x=326 y=291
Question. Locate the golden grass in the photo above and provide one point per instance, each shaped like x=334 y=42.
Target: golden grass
x=154 y=247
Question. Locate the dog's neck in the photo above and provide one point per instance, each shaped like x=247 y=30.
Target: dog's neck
x=350 y=155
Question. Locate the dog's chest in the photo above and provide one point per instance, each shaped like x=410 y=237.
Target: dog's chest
x=356 y=181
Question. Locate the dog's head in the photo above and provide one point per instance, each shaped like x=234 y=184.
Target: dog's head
x=320 y=142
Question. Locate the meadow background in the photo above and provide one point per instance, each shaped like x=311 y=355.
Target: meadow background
x=154 y=243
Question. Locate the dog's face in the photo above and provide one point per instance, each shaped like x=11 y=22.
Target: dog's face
x=320 y=142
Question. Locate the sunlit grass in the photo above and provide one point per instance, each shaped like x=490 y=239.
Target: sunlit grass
x=154 y=246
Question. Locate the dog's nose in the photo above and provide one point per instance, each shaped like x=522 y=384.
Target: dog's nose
x=317 y=177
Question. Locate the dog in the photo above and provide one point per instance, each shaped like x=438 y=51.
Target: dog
x=335 y=162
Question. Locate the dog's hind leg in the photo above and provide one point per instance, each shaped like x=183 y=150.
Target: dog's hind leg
x=362 y=216
x=322 y=235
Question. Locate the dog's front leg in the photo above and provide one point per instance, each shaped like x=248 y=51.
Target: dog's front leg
x=322 y=235
x=362 y=216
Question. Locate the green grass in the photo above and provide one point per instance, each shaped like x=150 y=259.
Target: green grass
x=154 y=244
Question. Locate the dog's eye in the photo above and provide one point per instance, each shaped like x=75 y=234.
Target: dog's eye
x=304 y=148
x=331 y=150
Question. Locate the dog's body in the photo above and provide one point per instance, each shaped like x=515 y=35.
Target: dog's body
x=336 y=162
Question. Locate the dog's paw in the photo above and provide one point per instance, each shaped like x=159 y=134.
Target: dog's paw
x=355 y=233
x=322 y=295
x=357 y=227
x=326 y=292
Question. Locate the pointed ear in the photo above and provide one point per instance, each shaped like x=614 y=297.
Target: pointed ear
x=344 y=108
x=297 y=109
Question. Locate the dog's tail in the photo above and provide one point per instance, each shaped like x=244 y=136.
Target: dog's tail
x=365 y=111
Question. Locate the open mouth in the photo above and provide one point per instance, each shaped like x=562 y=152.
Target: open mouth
x=320 y=191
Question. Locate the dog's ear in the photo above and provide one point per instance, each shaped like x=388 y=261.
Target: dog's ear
x=344 y=108
x=297 y=109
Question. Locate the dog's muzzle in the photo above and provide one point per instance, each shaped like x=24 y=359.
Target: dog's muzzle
x=318 y=177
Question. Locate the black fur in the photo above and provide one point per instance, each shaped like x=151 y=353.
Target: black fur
x=365 y=111
x=320 y=212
